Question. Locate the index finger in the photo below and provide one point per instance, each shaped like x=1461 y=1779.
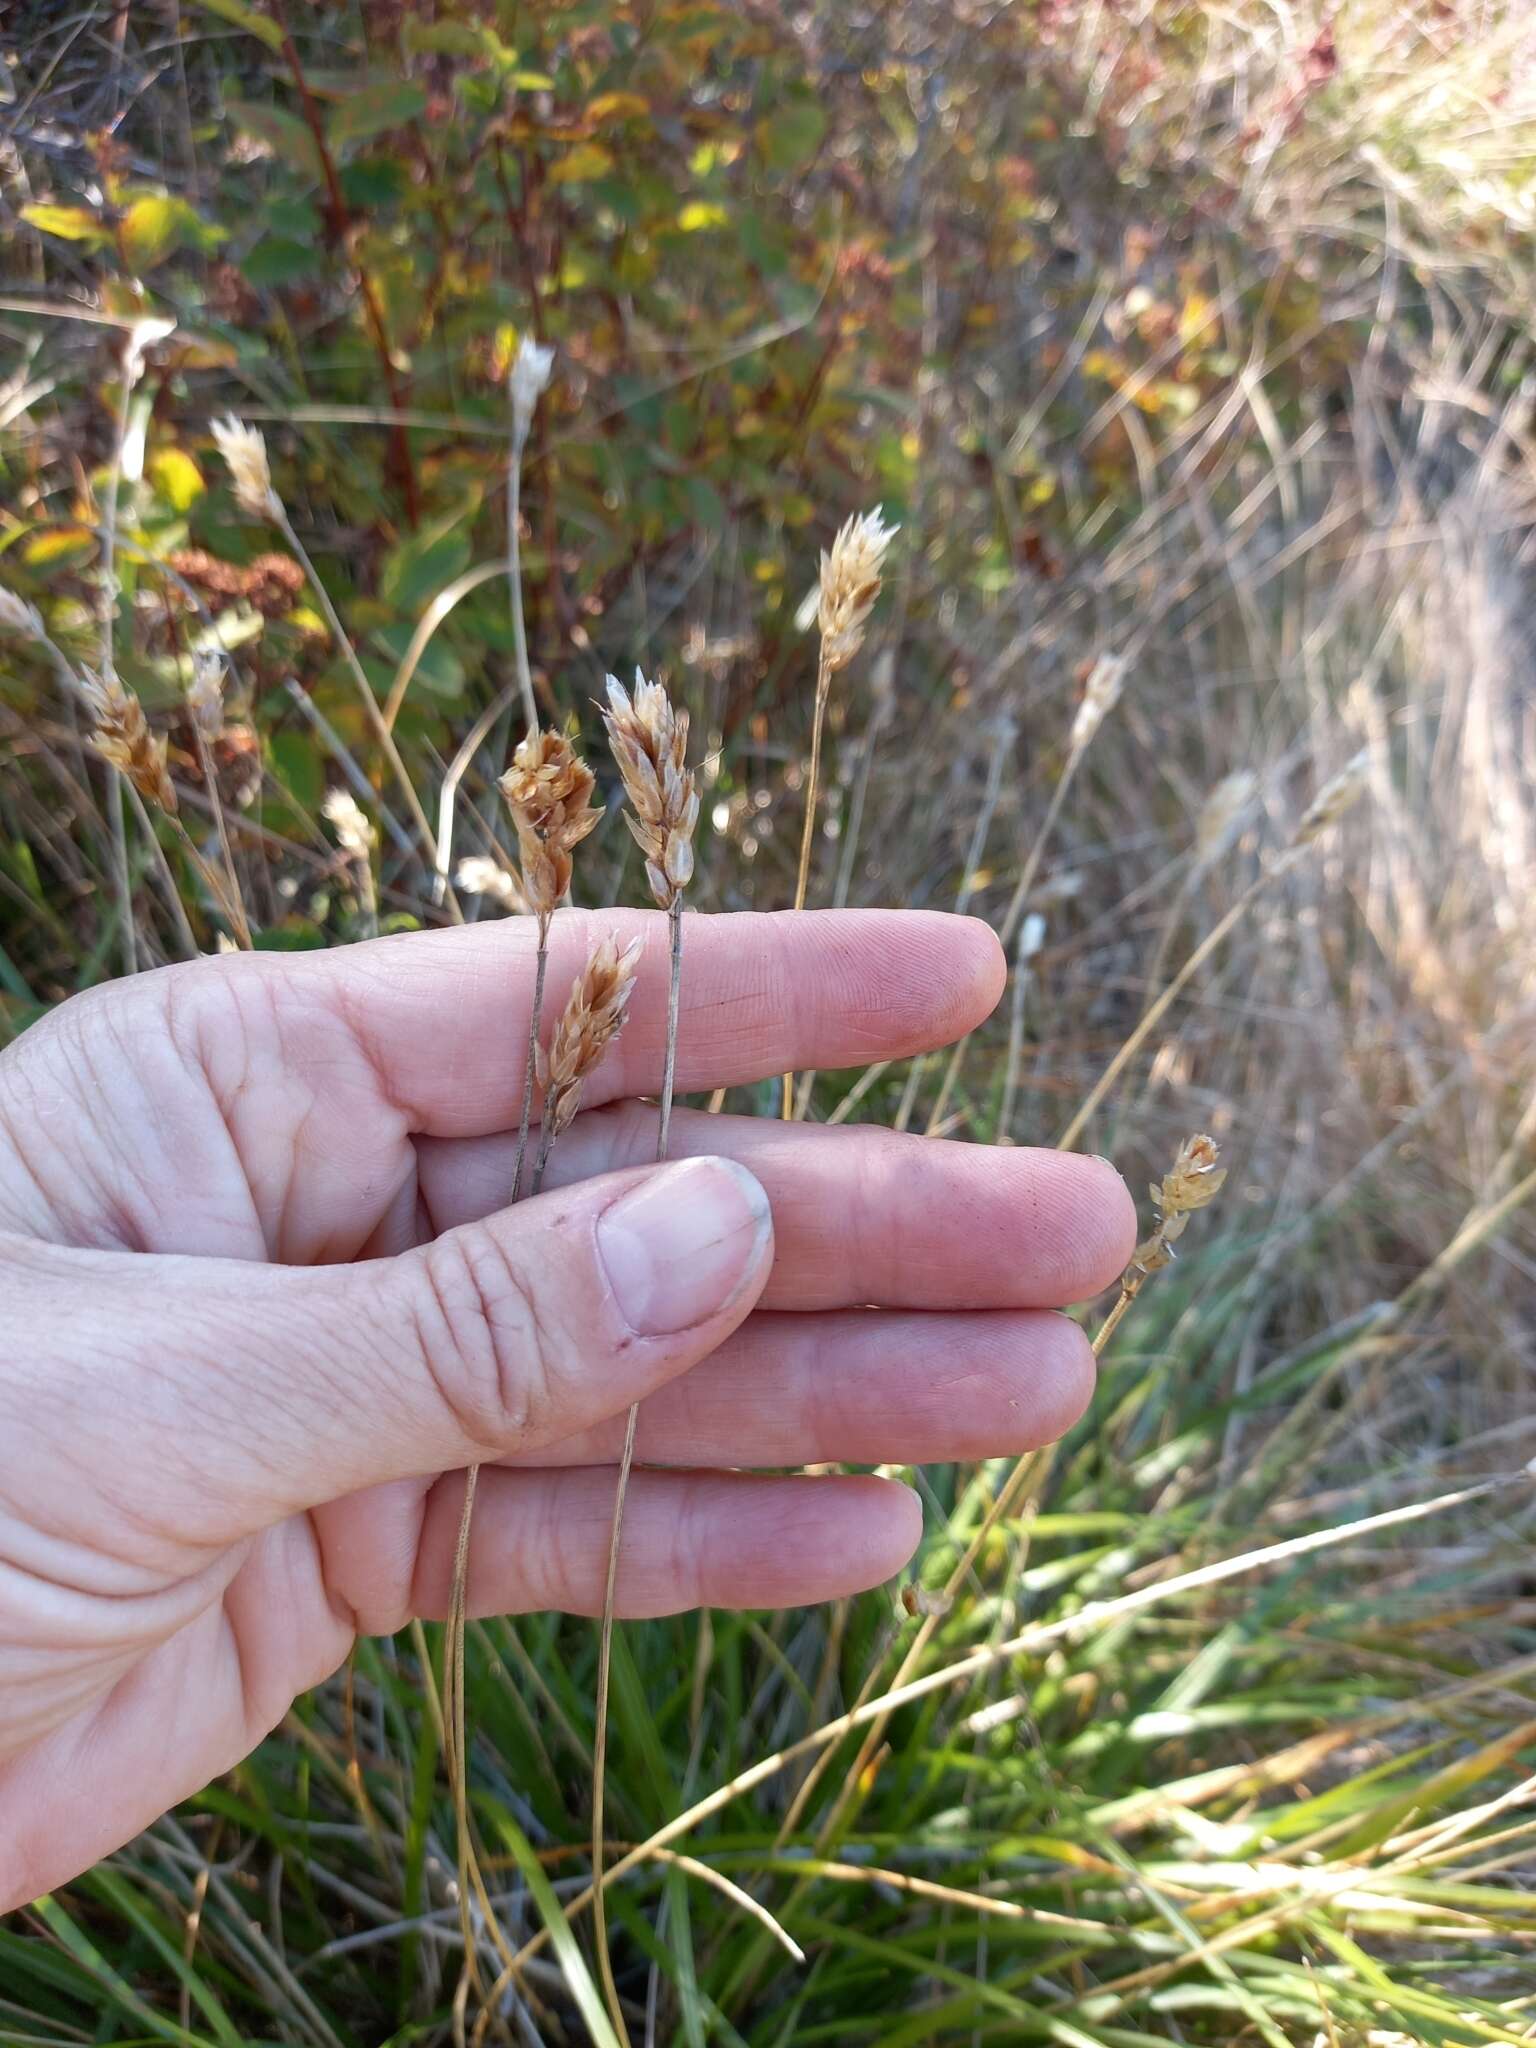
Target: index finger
x=443 y=1016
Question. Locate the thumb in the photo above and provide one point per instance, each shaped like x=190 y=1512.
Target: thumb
x=259 y=1391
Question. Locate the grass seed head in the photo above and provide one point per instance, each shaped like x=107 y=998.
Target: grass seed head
x=120 y=734
x=1334 y=798
x=245 y=451
x=648 y=737
x=591 y=1020
x=548 y=790
x=527 y=381
x=1223 y=811
x=205 y=693
x=1194 y=1179
x=850 y=583
x=1101 y=693
x=19 y=617
x=477 y=876
x=351 y=824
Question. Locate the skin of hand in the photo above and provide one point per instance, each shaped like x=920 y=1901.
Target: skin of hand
x=264 y=1301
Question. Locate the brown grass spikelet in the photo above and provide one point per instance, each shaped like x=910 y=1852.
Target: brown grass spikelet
x=120 y=734
x=548 y=790
x=1336 y=796
x=592 y=1018
x=850 y=583
x=1194 y=1180
x=1101 y=693
x=245 y=452
x=648 y=736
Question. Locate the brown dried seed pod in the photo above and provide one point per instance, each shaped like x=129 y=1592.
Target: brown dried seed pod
x=120 y=734
x=548 y=790
x=648 y=737
x=588 y=1025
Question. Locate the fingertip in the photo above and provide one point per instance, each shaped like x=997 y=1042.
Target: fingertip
x=1111 y=1240
x=889 y=1528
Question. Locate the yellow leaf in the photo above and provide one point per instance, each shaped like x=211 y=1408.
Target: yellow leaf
x=151 y=227
x=617 y=106
x=176 y=477
x=58 y=542
x=701 y=213
x=69 y=223
x=586 y=160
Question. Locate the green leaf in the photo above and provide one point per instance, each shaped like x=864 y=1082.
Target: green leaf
x=284 y=134
x=68 y=223
x=256 y=24
x=791 y=135
x=388 y=104
x=156 y=224
x=572 y=1961
x=417 y=570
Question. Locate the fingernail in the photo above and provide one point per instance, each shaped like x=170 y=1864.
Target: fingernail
x=681 y=1246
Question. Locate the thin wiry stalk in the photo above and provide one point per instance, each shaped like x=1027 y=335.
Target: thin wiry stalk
x=515 y=574
x=808 y=827
x=531 y=1063
x=370 y=703
x=221 y=826
x=621 y=1492
x=116 y=817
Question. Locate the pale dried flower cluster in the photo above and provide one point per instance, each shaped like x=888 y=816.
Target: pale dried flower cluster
x=1222 y=812
x=245 y=451
x=648 y=736
x=1334 y=798
x=19 y=617
x=351 y=824
x=1194 y=1179
x=589 y=1023
x=1101 y=693
x=205 y=693
x=527 y=382
x=121 y=736
x=548 y=791
x=477 y=875
x=850 y=583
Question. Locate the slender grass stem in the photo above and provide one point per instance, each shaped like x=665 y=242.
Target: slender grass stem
x=370 y=704
x=515 y=572
x=808 y=828
x=621 y=1492
x=221 y=826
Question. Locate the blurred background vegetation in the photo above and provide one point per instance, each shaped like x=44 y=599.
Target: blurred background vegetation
x=1190 y=337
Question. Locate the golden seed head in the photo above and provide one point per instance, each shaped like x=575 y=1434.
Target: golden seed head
x=648 y=738
x=589 y=1023
x=1334 y=799
x=351 y=824
x=205 y=692
x=244 y=450
x=1194 y=1179
x=527 y=381
x=1101 y=693
x=548 y=789
x=19 y=617
x=120 y=734
x=850 y=583
x=477 y=876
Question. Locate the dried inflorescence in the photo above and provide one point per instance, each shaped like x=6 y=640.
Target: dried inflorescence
x=850 y=583
x=527 y=382
x=648 y=736
x=476 y=875
x=1101 y=693
x=548 y=790
x=120 y=734
x=205 y=693
x=245 y=451
x=1334 y=798
x=1223 y=811
x=1194 y=1179
x=351 y=824
x=589 y=1023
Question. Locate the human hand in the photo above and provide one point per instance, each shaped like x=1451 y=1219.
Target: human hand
x=263 y=1302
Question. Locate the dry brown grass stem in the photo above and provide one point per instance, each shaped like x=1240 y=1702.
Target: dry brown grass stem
x=1194 y=1180
x=648 y=737
x=205 y=704
x=1096 y=1615
x=526 y=384
x=245 y=452
x=1327 y=807
x=849 y=584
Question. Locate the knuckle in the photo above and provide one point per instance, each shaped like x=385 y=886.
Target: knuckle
x=482 y=1340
